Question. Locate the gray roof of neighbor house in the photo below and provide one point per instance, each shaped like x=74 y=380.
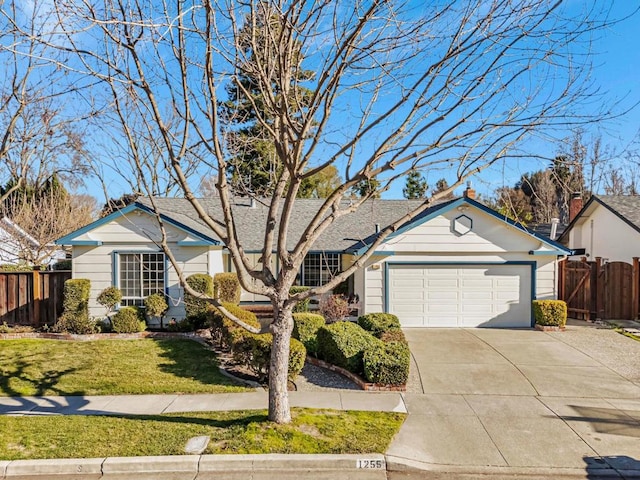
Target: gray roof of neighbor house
x=349 y=232
x=625 y=207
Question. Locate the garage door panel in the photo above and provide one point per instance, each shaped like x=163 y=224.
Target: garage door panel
x=461 y=295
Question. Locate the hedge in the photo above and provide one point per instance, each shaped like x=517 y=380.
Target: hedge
x=303 y=305
x=343 y=344
x=550 y=312
x=127 y=320
x=378 y=323
x=226 y=287
x=305 y=329
x=387 y=363
x=109 y=298
x=197 y=309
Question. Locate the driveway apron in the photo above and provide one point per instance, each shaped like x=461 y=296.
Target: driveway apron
x=516 y=399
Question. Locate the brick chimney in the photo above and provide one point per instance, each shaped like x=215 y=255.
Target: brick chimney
x=575 y=205
x=469 y=192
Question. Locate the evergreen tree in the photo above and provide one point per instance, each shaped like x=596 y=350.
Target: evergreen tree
x=415 y=186
x=321 y=184
x=254 y=167
x=367 y=187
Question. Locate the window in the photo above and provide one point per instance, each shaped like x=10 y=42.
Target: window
x=319 y=268
x=141 y=274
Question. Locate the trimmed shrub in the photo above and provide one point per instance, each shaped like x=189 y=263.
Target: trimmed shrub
x=109 y=298
x=255 y=352
x=387 y=363
x=305 y=329
x=550 y=312
x=378 y=323
x=75 y=315
x=197 y=309
x=303 y=305
x=393 y=336
x=155 y=305
x=76 y=296
x=226 y=287
x=127 y=320
x=334 y=308
x=343 y=344
x=225 y=330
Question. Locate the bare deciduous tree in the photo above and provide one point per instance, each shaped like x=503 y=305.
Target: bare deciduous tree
x=39 y=135
x=398 y=86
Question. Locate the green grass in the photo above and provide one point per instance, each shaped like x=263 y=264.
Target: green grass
x=109 y=367
x=311 y=431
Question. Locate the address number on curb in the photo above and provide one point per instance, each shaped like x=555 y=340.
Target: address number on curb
x=370 y=463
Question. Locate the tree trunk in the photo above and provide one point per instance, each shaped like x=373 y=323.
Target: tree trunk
x=281 y=328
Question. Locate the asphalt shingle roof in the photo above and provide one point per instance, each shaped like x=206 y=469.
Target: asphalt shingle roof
x=627 y=206
x=347 y=233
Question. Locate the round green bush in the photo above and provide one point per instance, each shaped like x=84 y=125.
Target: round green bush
x=550 y=312
x=127 y=320
x=75 y=323
x=155 y=305
x=343 y=344
x=378 y=323
x=197 y=309
x=387 y=363
x=226 y=287
x=109 y=297
x=305 y=329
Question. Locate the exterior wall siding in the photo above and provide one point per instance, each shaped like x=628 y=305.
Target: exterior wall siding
x=605 y=235
x=436 y=241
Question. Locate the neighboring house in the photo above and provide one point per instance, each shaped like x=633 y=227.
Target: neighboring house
x=18 y=247
x=607 y=227
x=459 y=264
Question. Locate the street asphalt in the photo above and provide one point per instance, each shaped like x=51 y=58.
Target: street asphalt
x=497 y=403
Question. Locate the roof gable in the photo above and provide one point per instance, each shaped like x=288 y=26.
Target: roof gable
x=80 y=236
x=624 y=207
x=462 y=204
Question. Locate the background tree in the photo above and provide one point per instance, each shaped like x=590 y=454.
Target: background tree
x=39 y=136
x=442 y=187
x=454 y=104
x=366 y=188
x=321 y=184
x=46 y=214
x=415 y=185
x=247 y=123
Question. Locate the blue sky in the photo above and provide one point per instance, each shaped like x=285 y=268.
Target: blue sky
x=617 y=74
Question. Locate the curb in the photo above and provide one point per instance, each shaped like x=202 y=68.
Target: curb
x=201 y=467
x=404 y=465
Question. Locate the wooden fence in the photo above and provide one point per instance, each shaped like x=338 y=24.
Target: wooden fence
x=598 y=290
x=31 y=298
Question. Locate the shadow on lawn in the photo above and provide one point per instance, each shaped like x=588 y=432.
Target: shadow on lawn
x=45 y=385
x=189 y=359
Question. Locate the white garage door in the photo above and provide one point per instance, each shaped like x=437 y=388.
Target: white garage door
x=460 y=295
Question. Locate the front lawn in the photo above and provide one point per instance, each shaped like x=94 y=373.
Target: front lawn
x=312 y=431
x=109 y=367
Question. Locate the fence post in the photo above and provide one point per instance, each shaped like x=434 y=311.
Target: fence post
x=635 y=287
x=37 y=296
x=599 y=293
x=561 y=279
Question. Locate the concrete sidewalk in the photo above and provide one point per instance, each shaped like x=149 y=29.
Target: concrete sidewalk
x=159 y=404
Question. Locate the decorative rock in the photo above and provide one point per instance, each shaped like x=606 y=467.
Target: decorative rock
x=197 y=445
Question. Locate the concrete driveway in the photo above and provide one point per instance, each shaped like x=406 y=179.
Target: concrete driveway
x=517 y=401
